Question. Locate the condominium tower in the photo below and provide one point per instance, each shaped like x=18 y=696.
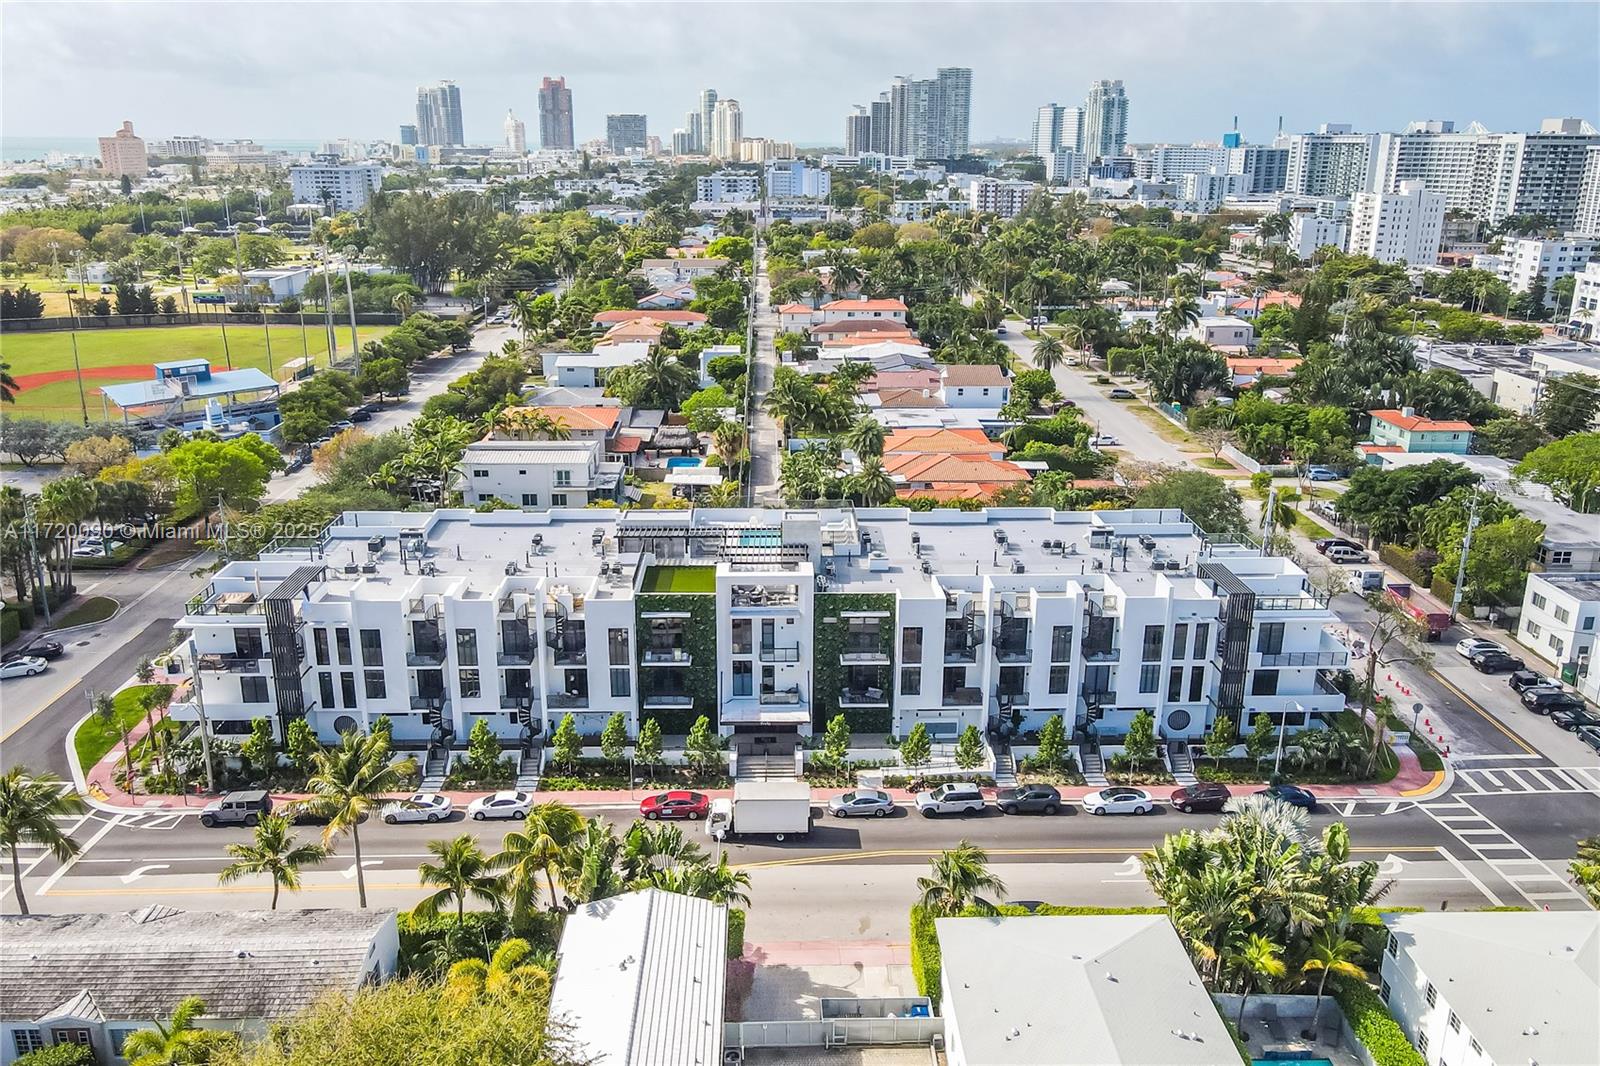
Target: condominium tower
x=555 y=114
x=439 y=114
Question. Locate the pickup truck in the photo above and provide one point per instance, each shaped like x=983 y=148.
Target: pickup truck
x=777 y=809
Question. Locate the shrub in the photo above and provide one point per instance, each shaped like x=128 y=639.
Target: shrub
x=59 y=1055
x=735 y=933
x=1373 y=1025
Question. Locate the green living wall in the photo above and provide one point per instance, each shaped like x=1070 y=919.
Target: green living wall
x=827 y=676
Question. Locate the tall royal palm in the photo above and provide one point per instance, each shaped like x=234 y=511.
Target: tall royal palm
x=958 y=876
x=29 y=807
x=534 y=851
x=275 y=853
x=462 y=872
x=348 y=782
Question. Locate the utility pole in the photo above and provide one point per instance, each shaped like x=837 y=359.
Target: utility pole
x=1466 y=546
x=350 y=298
x=1266 y=520
x=200 y=706
x=30 y=525
x=83 y=403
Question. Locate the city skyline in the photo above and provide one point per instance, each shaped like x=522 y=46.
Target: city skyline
x=1366 y=70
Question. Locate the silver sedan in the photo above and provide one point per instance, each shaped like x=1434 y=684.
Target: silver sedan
x=863 y=801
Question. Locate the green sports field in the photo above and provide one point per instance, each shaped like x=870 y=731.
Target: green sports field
x=118 y=355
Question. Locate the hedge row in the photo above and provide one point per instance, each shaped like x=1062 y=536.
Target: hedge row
x=1373 y=1025
x=925 y=955
x=735 y=933
x=1407 y=563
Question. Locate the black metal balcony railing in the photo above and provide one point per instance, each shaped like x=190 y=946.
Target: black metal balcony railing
x=426 y=654
x=667 y=656
x=513 y=700
x=788 y=699
x=232 y=664
x=1013 y=652
x=1290 y=603
x=962 y=697
x=1101 y=654
x=565 y=700
x=868 y=697
x=959 y=651
x=780 y=653
x=1306 y=658
x=429 y=703
x=515 y=655
x=567 y=653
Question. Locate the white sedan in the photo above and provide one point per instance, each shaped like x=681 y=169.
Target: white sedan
x=1473 y=645
x=23 y=666
x=500 y=805
x=1119 y=799
x=1105 y=440
x=420 y=807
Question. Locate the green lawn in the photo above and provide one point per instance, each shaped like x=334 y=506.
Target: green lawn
x=1311 y=527
x=93 y=609
x=35 y=353
x=97 y=736
x=1213 y=463
x=680 y=579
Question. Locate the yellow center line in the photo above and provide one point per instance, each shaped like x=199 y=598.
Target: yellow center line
x=928 y=853
x=1491 y=719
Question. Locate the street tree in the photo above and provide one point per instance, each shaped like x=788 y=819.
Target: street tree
x=30 y=809
x=647 y=747
x=960 y=879
x=351 y=781
x=969 y=748
x=916 y=749
x=836 y=741
x=1219 y=739
x=1140 y=742
x=701 y=747
x=459 y=871
x=614 y=739
x=1392 y=640
x=567 y=743
x=275 y=853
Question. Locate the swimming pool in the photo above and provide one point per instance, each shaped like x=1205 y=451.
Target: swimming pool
x=761 y=538
x=1296 y=1062
x=680 y=462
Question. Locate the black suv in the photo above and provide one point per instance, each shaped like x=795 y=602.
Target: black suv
x=1544 y=700
x=1028 y=799
x=1496 y=662
x=1573 y=718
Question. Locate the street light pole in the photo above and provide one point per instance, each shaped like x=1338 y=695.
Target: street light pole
x=200 y=706
x=1461 y=569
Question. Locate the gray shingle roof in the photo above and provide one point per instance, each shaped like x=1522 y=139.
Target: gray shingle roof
x=140 y=964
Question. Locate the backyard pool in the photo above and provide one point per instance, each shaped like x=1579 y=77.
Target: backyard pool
x=682 y=462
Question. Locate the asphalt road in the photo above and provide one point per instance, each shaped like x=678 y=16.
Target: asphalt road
x=766 y=441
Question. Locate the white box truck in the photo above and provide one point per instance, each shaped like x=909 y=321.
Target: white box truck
x=778 y=809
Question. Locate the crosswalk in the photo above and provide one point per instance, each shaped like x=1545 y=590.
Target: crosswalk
x=1530 y=876
x=1547 y=780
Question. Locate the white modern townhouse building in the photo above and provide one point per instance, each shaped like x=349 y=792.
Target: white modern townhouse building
x=539 y=473
x=769 y=621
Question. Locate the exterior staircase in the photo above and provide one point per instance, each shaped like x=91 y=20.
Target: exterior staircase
x=1181 y=763
x=1005 y=766
x=435 y=767
x=528 y=766
x=764 y=767
x=1094 y=769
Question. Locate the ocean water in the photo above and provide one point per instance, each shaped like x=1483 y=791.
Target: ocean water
x=24 y=148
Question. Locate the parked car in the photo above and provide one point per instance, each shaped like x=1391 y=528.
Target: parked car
x=339 y=427
x=1574 y=718
x=1540 y=699
x=1038 y=320
x=1000 y=330
x=1028 y=799
x=1522 y=680
x=362 y=413
x=679 y=803
x=1331 y=542
x=23 y=666
x=418 y=807
x=1105 y=440
x=957 y=797
x=1206 y=796
x=1119 y=799
x=38 y=648
x=1496 y=662
x=500 y=805
x=1559 y=703
x=1471 y=646
x=1122 y=394
x=1340 y=553
x=1293 y=795
x=237 y=808
x=295 y=462
x=1590 y=735
x=1322 y=473
x=860 y=803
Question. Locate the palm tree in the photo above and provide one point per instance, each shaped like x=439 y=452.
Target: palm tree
x=8 y=384
x=514 y=969
x=649 y=848
x=179 y=1041
x=589 y=863
x=348 y=782
x=1048 y=353
x=463 y=870
x=661 y=380
x=66 y=502
x=402 y=304
x=873 y=485
x=1255 y=960
x=1180 y=313
x=722 y=494
x=526 y=315
x=29 y=807
x=865 y=437
x=958 y=876
x=719 y=884
x=1331 y=952
x=536 y=850
x=273 y=852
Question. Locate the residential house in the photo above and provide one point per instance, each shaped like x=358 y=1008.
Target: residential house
x=669 y=298
x=1404 y=430
x=640 y=979
x=1120 y=991
x=679 y=270
x=539 y=474
x=1248 y=370
x=1560 y=622
x=636 y=331
x=858 y=329
x=95 y=979
x=1499 y=989
x=589 y=370
x=855 y=310
x=974 y=385
x=680 y=319
x=1223 y=332
x=599 y=423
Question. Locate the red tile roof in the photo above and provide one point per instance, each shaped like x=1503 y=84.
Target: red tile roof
x=975 y=375
x=672 y=318
x=937 y=440
x=922 y=468
x=626 y=443
x=796 y=309
x=864 y=305
x=1414 y=424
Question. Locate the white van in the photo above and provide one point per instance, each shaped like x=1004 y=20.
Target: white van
x=1338 y=553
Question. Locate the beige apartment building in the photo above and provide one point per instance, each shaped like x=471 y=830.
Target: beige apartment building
x=123 y=153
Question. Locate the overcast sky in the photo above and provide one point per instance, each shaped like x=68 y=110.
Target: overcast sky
x=284 y=71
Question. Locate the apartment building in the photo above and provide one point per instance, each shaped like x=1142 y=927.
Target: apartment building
x=343 y=186
x=792 y=179
x=1309 y=231
x=1524 y=259
x=1587 y=221
x=728 y=187
x=1331 y=162
x=1559 y=622
x=123 y=154
x=999 y=196
x=625 y=133
x=1404 y=430
x=1398 y=227
x=1584 y=315
x=769 y=621
x=539 y=473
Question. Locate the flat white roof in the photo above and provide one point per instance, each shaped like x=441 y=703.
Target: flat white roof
x=639 y=979
x=1525 y=985
x=1114 y=990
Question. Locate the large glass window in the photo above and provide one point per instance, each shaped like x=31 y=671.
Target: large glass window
x=1197 y=683
x=377 y=689
x=1180 y=637
x=1153 y=638
x=1264 y=683
x=1269 y=639
x=341 y=641
x=1150 y=677
x=1175 y=684
x=325 y=687
x=1202 y=640
x=1060 y=677
x=743 y=677
x=911 y=681
x=466 y=647
x=247 y=644
x=743 y=640
x=617 y=648
x=319 y=640
x=1060 y=644
x=1096 y=683
x=620 y=683
x=911 y=644
x=371 y=647
x=253 y=690
x=347 y=688
x=469 y=684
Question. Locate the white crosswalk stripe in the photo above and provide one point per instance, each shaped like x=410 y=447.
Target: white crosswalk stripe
x=1525 y=872
x=1544 y=780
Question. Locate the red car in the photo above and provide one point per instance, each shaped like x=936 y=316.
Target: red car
x=675 y=804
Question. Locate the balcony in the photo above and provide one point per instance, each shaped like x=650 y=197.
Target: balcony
x=863 y=653
x=568 y=653
x=664 y=701
x=426 y=655
x=667 y=657
x=1307 y=658
x=231 y=664
x=787 y=698
x=516 y=655
x=1101 y=655
x=430 y=703
x=511 y=701
x=780 y=653
x=1013 y=652
x=960 y=652
x=213 y=602
x=962 y=697
x=567 y=700
x=763 y=598
x=871 y=697
x=1290 y=603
